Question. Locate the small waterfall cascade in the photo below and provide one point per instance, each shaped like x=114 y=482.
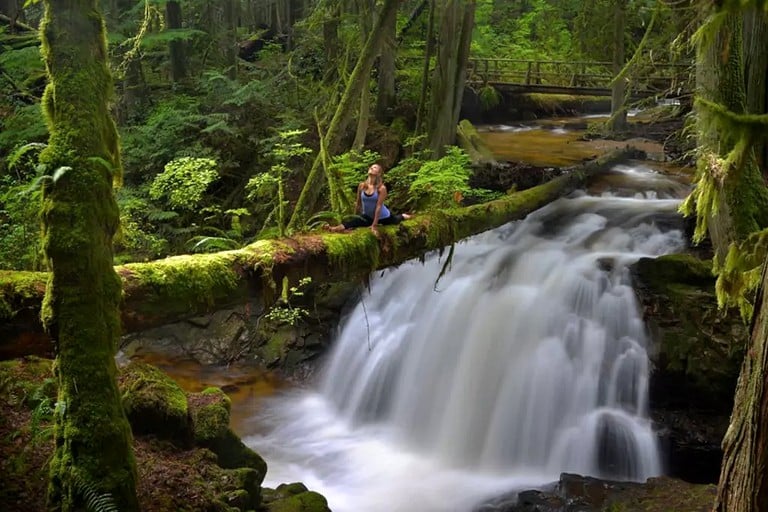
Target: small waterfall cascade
x=525 y=360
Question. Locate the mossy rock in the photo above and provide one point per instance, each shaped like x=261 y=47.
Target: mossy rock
x=294 y=497
x=697 y=349
x=155 y=404
x=209 y=411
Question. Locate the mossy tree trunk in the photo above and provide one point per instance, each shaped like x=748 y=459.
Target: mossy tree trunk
x=93 y=444
x=743 y=483
x=456 y=21
x=727 y=169
x=342 y=116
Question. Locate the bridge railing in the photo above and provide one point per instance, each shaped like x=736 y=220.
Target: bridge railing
x=596 y=74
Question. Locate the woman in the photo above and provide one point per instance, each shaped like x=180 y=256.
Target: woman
x=371 y=194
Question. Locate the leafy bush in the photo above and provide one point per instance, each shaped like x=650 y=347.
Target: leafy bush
x=442 y=183
x=184 y=181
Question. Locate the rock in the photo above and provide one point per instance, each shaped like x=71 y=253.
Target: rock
x=576 y=493
x=210 y=412
x=696 y=354
x=696 y=349
x=294 y=497
x=154 y=403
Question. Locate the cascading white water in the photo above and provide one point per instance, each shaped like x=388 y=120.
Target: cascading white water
x=525 y=360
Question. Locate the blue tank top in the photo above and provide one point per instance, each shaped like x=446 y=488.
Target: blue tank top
x=369 y=204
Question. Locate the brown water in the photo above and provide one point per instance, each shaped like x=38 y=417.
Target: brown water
x=553 y=143
x=245 y=384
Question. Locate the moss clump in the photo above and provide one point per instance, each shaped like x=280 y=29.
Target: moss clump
x=210 y=411
x=294 y=497
x=19 y=289
x=154 y=403
x=355 y=251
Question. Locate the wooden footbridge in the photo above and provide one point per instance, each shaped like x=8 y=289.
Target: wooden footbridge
x=512 y=76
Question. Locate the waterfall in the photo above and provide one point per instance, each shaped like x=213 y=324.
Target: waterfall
x=526 y=359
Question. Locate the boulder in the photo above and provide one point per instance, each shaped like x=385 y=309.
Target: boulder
x=154 y=403
x=210 y=412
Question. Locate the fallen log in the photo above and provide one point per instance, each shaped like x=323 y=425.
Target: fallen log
x=178 y=287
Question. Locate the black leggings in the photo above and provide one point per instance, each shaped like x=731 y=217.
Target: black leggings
x=362 y=221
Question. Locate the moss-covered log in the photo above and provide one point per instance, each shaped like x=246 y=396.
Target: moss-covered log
x=162 y=291
x=93 y=462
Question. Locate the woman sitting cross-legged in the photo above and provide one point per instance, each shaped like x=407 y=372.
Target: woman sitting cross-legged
x=371 y=194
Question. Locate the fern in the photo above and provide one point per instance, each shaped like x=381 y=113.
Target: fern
x=95 y=500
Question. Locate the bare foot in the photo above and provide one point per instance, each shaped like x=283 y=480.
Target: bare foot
x=336 y=229
x=407 y=216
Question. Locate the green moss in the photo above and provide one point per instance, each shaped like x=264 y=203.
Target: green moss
x=210 y=411
x=294 y=497
x=18 y=289
x=154 y=403
x=186 y=282
x=355 y=251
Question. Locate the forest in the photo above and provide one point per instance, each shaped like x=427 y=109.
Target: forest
x=233 y=134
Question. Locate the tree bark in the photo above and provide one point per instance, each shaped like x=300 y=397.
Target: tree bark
x=93 y=443
x=743 y=483
x=180 y=287
x=756 y=73
x=342 y=116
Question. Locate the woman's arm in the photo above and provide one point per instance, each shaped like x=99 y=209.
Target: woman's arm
x=379 y=203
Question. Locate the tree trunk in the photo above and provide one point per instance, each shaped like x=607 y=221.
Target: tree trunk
x=456 y=22
x=360 y=76
x=385 y=99
x=93 y=443
x=743 y=483
x=229 y=37
x=176 y=47
x=756 y=73
x=742 y=198
x=428 y=48
x=618 y=121
x=366 y=12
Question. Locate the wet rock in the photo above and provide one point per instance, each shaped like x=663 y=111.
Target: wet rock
x=576 y=493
